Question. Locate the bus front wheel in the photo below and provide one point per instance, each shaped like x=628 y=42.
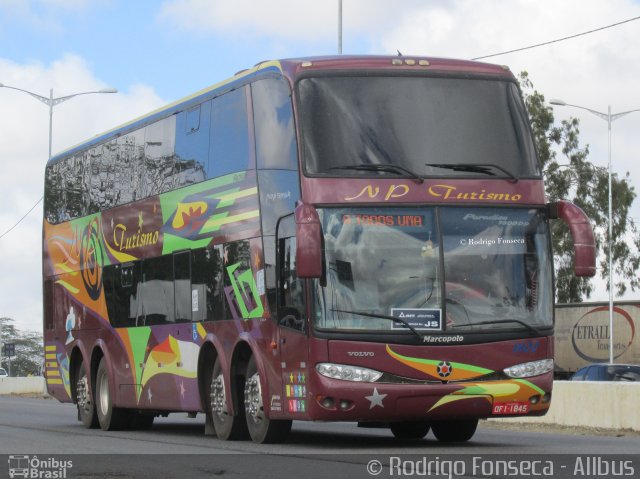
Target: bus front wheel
x=261 y=429
x=110 y=418
x=454 y=431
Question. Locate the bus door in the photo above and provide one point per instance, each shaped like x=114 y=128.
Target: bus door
x=292 y=332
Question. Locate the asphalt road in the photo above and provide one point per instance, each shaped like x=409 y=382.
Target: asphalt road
x=176 y=447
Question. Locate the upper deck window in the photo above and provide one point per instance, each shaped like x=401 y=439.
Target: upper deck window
x=423 y=124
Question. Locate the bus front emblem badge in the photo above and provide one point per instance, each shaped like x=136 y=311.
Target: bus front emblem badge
x=444 y=369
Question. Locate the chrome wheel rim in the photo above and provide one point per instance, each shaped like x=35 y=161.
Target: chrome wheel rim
x=219 y=397
x=82 y=394
x=253 y=399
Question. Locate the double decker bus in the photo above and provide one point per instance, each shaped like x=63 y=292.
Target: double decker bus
x=359 y=239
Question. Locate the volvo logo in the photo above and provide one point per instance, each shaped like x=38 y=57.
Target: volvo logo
x=361 y=354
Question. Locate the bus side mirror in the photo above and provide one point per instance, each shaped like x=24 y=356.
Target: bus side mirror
x=582 y=233
x=308 y=242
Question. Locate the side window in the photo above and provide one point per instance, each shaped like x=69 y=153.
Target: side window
x=159 y=151
x=54 y=194
x=182 y=284
x=240 y=287
x=192 y=144
x=193 y=119
x=206 y=284
x=291 y=288
x=157 y=290
x=130 y=167
x=579 y=375
x=229 y=148
x=76 y=192
x=121 y=286
x=592 y=374
x=102 y=161
x=276 y=146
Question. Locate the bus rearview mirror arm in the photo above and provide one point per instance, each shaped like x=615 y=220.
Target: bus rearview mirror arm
x=582 y=234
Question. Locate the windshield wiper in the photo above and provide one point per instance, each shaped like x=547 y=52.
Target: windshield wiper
x=381 y=316
x=498 y=321
x=484 y=168
x=380 y=167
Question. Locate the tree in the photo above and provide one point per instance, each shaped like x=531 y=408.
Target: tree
x=578 y=180
x=29 y=350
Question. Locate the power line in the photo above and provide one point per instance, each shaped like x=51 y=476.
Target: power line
x=558 y=40
x=20 y=220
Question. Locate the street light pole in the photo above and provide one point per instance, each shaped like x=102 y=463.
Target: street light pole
x=609 y=118
x=339 y=27
x=51 y=102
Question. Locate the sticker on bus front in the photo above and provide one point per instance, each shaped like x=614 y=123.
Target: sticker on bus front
x=422 y=319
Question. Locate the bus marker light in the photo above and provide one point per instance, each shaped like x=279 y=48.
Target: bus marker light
x=326 y=402
x=345 y=405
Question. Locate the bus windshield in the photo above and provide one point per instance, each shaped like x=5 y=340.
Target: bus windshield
x=428 y=126
x=440 y=269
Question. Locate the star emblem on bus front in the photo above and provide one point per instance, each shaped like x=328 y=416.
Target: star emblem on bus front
x=376 y=399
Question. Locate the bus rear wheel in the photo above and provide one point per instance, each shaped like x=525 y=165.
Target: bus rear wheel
x=410 y=429
x=110 y=418
x=84 y=401
x=261 y=429
x=227 y=426
x=454 y=431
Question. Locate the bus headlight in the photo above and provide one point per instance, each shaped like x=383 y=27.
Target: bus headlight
x=527 y=370
x=348 y=373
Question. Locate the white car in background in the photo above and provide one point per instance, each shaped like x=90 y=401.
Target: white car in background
x=3 y=373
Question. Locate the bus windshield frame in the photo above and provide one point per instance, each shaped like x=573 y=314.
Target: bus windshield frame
x=445 y=270
x=364 y=125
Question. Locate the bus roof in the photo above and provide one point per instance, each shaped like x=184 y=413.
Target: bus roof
x=292 y=68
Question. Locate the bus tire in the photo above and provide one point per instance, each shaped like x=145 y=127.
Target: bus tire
x=261 y=429
x=84 y=400
x=228 y=427
x=110 y=418
x=454 y=431
x=410 y=429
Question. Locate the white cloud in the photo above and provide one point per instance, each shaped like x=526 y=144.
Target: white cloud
x=301 y=20
x=42 y=15
x=23 y=154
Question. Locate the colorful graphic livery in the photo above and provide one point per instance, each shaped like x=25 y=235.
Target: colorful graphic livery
x=340 y=239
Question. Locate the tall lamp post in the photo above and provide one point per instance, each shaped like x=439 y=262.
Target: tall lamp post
x=339 y=27
x=51 y=102
x=609 y=118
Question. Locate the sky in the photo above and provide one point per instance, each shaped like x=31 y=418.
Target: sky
x=155 y=52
